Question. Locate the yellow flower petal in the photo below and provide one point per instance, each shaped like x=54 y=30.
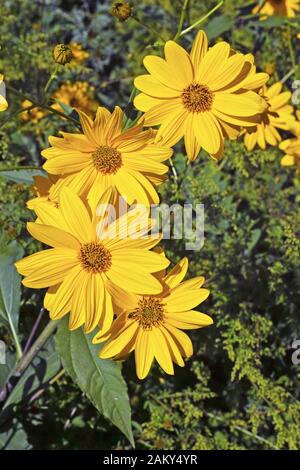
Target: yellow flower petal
x=53 y=236
x=199 y=49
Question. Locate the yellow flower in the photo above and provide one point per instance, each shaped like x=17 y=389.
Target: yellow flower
x=76 y=95
x=107 y=156
x=79 y=54
x=151 y=325
x=277 y=116
x=204 y=96
x=3 y=102
x=278 y=7
x=34 y=115
x=291 y=147
x=44 y=187
x=87 y=262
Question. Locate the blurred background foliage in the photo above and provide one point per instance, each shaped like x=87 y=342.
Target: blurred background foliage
x=240 y=390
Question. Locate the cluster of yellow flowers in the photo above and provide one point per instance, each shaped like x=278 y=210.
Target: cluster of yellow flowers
x=75 y=95
x=112 y=276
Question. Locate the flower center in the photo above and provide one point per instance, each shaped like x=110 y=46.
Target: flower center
x=197 y=98
x=107 y=160
x=150 y=312
x=95 y=258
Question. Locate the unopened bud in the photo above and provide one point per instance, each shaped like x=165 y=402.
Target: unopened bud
x=62 y=54
x=121 y=10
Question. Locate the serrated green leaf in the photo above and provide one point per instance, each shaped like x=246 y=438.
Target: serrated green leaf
x=101 y=380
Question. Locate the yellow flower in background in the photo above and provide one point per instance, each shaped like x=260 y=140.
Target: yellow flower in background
x=204 y=96
x=34 y=115
x=79 y=54
x=87 y=264
x=108 y=156
x=44 y=187
x=151 y=325
x=278 y=7
x=277 y=116
x=3 y=102
x=78 y=95
x=291 y=147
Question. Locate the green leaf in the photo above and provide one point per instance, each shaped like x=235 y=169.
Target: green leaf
x=276 y=21
x=44 y=366
x=14 y=438
x=5 y=369
x=10 y=286
x=218 y=26
x=21 y=176
x=66 y=109
x=100 y=379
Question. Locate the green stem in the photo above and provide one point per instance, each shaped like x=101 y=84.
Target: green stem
x=201 y=20
x=41 y=105
x=292 y=54
x=19 y=111
x=181 y=19
x=34 y=350
x=52 y=77
x=15 y=338
x=149 y=28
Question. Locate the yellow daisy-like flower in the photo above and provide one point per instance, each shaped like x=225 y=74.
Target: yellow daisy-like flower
x=108 y=156
x=79 y=54
x=278 y=7
x=3 y=102
x=278 y=115
x=88 y=261
x=204 y=96
x=34 y=115
x=151 y=325
x=79 y=95
x=291 y=147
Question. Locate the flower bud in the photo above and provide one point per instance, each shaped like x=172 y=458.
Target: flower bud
x=62 y=54
x=121 y=10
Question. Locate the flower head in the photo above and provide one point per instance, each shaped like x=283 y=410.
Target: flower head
x=87 y=264
x=121 y=10
x=108 y=156
x=204 y=96
x=278 y=115
x=278 y=7
x=151 y=325
x=78 y=95
x=79 y=54
x=3 y=102
x=291 y=147
x=62 y=54
x=33 y=115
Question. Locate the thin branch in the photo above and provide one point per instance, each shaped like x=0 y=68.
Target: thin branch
x=201 y=20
